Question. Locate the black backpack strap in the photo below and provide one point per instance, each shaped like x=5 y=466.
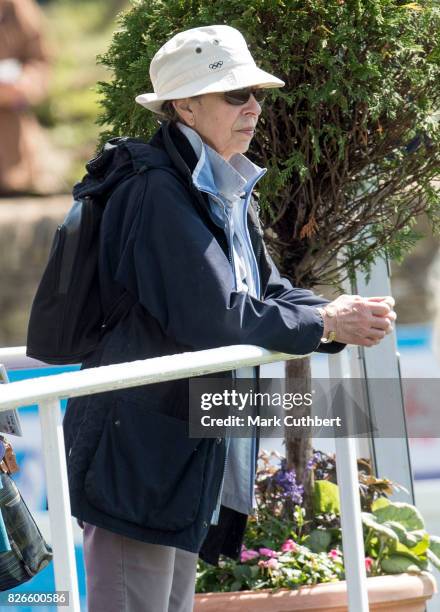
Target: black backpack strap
x=125 y=301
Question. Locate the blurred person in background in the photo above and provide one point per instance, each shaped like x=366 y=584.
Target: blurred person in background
x=24 y=77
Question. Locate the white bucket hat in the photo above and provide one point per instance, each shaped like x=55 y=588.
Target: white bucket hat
x=203 y=60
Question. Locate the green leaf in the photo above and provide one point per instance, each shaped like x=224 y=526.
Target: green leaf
x=417 y=541
x=403 y=535
x=380 y=502
x=397 y=564
x=419 y=560
x=422 y=545
x=326 y=497
x=242 y=572
x=254 y=570
x=381 y=530
x=405 y=514
x=434 y=551
x=435 y=560
x=319 y=540
x=434 y=545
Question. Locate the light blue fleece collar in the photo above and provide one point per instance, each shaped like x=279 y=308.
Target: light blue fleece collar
x=217 y=176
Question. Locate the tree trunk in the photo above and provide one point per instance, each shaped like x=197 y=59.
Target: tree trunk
x=299 y=444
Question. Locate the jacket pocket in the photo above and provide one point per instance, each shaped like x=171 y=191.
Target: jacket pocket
x=146 y=470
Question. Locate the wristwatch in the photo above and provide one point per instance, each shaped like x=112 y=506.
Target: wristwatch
x=330 y=311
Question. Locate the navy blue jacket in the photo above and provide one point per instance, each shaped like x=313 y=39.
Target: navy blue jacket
x=132 y=467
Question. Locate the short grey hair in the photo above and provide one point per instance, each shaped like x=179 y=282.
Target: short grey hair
x=169 y=113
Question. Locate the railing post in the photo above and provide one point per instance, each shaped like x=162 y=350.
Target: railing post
x=351 y=522
x=59 y=502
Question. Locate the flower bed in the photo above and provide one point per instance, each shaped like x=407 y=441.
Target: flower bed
x=286 y=551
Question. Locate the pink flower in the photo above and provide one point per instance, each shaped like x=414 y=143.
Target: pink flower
x=334 y=554
x=268 y=552
x=272 y=564
x=248 y=555
x=289 y=545
x=368 y=564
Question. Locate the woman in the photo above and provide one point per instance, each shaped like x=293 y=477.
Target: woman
x=181 y=234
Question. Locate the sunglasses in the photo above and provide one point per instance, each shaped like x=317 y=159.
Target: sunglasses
x=238 y=97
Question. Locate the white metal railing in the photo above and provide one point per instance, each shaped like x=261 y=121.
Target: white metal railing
x=48 y=391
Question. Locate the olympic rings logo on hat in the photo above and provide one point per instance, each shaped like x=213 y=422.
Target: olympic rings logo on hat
x=216 y=65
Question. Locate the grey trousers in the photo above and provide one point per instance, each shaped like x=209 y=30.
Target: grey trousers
x=126 y=575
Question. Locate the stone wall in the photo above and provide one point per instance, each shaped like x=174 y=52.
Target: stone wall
x=27 y=227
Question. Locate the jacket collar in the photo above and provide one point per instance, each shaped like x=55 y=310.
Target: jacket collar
x=214 y=174
x=184 y=160
x=179 y=150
